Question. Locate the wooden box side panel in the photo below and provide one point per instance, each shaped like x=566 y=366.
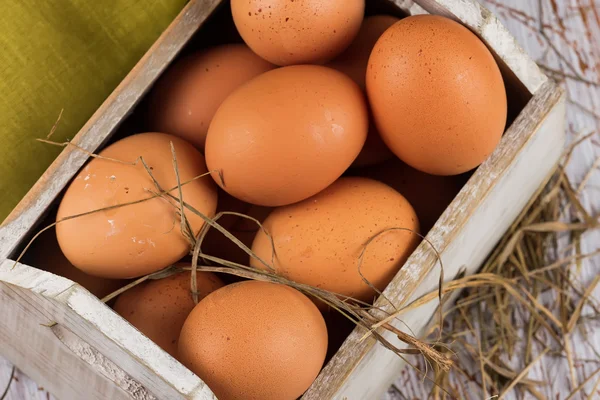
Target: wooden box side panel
x=41 y=355
x=465 y=234
x=103 y=123
x=69 y=321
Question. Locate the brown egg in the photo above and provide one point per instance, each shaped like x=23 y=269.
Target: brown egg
x=159 y=308
x=436 y=94
x=319 y=241
x=287 y=134
x=430 y=195
x=46 y=255
x=353 y=62
x=218 y=245
x=136 y=239
x=288 y=32
x=189 y=93
x=255 y=340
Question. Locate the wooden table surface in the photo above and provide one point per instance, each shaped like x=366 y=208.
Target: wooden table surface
x=564 y=37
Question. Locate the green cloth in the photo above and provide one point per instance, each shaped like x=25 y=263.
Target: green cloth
x=63 y=54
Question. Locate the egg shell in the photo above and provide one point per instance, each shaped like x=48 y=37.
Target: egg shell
x=45 y=254
x=255 y=340
x=353 y=62
x=136 y=239
x=319 y=241
x=218 y=245
x=436 y=94
x=430 y=195
x=287 y=134
x=288 y=32
x=187 y=96
x=158 y=308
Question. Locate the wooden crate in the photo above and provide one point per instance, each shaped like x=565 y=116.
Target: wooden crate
x=76 y=347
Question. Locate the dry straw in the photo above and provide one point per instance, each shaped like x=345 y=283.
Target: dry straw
x=526 y=300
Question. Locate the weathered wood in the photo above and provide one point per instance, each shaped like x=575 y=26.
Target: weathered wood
x=48 y=314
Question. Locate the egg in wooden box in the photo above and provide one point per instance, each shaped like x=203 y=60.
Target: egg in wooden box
x=348 y=239
x=112 y=220
x=286 y=135
x=303 y=32
x=437 y=95
x=255 y=340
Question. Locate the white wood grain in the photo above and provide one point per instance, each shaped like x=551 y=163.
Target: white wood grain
x=86 y=339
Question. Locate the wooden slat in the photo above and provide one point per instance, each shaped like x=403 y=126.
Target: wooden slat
x=90 y=336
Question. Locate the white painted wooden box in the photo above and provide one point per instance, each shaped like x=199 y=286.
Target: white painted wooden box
x=76 y=347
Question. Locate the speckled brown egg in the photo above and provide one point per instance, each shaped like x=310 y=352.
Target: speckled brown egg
x=436 y=94
x=319 y=241
x=256 y=341
x=137 y=233
x=429 y=194
x=159 y=308
x=46 y=255
x=287 y=134
x=288 y=32
x=353 y=62
x=188 y=95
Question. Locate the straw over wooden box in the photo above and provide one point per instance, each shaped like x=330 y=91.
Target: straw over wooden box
x=77 y=347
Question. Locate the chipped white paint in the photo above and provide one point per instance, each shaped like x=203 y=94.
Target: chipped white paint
x=129 y=338
x=42 y=282
x=100 y=363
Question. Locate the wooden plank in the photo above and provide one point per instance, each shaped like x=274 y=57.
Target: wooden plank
x=103 y=123
x=42 y=357
x=93 y=333
x=464 y=235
